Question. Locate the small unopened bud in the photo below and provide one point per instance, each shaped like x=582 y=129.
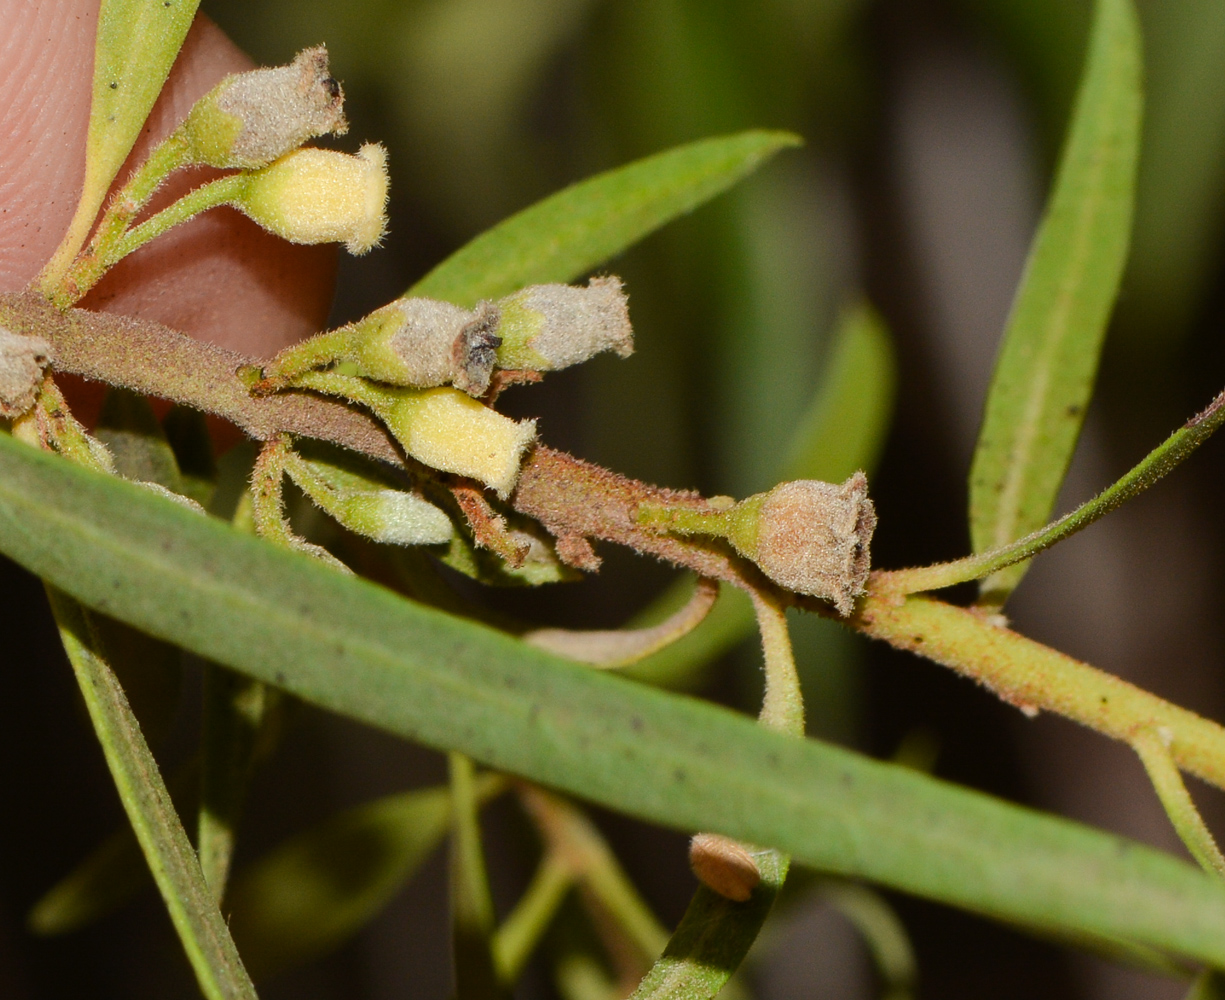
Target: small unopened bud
x=321 y=196
x=448 y=430
x=724 y=865
x=546 y=327
x=810 y=537
x=367 y=507
x=22 y=360
x=250 y=119
x=425 y=343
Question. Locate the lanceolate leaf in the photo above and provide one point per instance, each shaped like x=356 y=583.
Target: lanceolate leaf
x=582 y=226
x=313 y=892
x=204 y=935
x=1048 y=362
x=350 y=646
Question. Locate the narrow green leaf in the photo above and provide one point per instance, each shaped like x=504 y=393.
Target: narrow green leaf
x=846 y=423
x=350 y=646
x=312 y=893
x=1048 y=361
x=234 y=710
x=582 y=226
x=1157 y=464
x=472 y=916
x=112 y=873
x=137 y=43
x=203 y=933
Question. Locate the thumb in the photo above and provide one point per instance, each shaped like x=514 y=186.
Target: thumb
x=220 y=277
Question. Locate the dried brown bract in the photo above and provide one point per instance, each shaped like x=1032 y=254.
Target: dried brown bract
x=22 y=360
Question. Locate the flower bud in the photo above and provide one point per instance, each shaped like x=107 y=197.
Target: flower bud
x=321 y=196
x=724 y=865
x=546 y=327
x=369 y=507
x=447 y=430
x=424 y=343
x=250 y=119
x=22 y=360
x=809 y=536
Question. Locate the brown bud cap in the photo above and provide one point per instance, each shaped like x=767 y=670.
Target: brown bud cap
x=724 y=865
x=251 y=119
x=22 y=360
x=474 y=353
x=813 y=538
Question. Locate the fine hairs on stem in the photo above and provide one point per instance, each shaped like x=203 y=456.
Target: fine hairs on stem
x=1153 y=748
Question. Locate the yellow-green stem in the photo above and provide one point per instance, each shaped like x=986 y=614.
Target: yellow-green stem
x=782 y=706
x=1035 y=677
x=1154 y=752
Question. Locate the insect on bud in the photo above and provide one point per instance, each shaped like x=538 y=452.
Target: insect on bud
x=22 y=360
x=250 y=119
x=321 y=196
x=448 y=430
x=547 y=327
x=724 y=865
x=425 y=343
x=810 y=537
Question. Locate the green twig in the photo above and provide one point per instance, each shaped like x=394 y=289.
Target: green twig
x=1034 y=677
x=90 y=267
x=472 y=917
x=521 y=931
x=1153 y=748
x=1155 y=465
x=568 y=833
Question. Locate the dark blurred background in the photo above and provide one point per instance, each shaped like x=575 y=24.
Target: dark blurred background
x=932 y=127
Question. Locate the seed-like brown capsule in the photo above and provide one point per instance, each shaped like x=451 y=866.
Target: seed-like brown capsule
x=808 y=536
x=724 y=865
x=22 y=360
x=250 y=119
x=814 y=537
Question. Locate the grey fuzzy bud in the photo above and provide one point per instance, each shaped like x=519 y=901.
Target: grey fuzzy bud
x=546 y=327
x=251 y=119
x=22 y=360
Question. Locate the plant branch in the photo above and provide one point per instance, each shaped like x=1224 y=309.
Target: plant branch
x=1154 y=752
x=576 y=499
x=1155 y=465
x=1035 y=677
x=620 y=647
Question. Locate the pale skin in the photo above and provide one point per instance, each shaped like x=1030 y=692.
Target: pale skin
x=220 y=277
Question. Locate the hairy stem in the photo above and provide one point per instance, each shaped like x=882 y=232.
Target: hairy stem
x=1035 y=677
x=1154 y=752
x=1155 y=465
